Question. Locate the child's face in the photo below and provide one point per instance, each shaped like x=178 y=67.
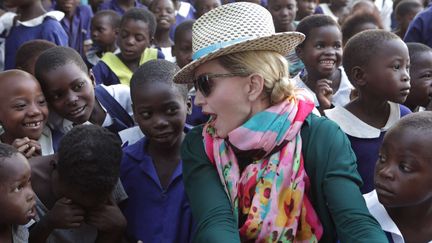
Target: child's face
x=283 y=13
x=421 y=80
x=102 y=31
x=305 y=8
x=23 y=109
x=203 y=6
x=67 y=6
x=134 y=38
x=405 y=20
x=322 y=51
x=403 y=173
x=17 y=200
x=387 y=73
x=164 y=12
x=69 y=91
x=182 y=48
x=160 y=112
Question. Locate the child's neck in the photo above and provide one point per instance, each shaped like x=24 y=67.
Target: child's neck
x=31 y=11
x=374 y=112
x=131 y=64
x=6 y=233
x=165 y=159
x=98 y=114
x=108 y=48
x=418 y=230
x=162 y=39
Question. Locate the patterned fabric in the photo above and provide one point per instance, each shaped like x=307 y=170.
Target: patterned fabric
x=271 y=192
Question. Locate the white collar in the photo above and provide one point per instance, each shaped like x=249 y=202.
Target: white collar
x=379 y=212
x=38 y=20
x=184 y=9
x=355 y=127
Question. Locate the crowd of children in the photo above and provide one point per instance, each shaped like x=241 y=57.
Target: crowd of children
x=89 y=111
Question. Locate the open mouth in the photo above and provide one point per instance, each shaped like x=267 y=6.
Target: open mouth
x=327 y=62
x=33 y=124
x=31 y=213
x=405 y=92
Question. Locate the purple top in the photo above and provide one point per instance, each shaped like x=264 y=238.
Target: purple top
x=79 y=29
x=153 y=213
x=113 y=5
x=420 y=29
x=365 y=140
x=49 y=29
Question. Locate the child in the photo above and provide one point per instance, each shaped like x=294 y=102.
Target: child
x=73 y=99
x=29 y=52
x=377 y=64
x=95 y=5
x=321 y=53
x=419 y=29
x=406 y=10
x=157 y=209
x=337 y=9
x=76 y=24
x=203 y=6
x=359 y=21
x=305 y=8
x=23 y=114
x=121 y=6
x=33 y=22
x=420 y=94
x=104 y=32
x=17 y=200
x=183 y=11
x=137 y=29
x=182 y=49
x=77 y=192
x=402 y=201
x=164 y=13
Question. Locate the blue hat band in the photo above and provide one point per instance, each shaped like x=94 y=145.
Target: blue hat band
x=212 y=48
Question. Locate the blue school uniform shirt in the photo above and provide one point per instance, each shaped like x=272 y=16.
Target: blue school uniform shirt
x=420 y=29
x=45 y=27
x=78 y=30
x=113 y=5
x=185 y=12
x=154 y=214
x=365 y=139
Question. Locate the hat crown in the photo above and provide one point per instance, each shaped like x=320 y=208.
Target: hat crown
x=231 y=22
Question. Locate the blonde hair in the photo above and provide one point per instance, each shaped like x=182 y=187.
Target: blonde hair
x=272 y=66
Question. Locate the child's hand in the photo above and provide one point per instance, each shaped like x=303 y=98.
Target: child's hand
x=324 y=93
x=65 y=215
x=28 y=147
x=107 y=218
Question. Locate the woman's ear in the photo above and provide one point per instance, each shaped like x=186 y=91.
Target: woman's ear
x=256 y=86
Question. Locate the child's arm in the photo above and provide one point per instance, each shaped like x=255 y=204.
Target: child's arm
x=64 y=215
x=109 y=221
x=28 y=147
x=324 y=94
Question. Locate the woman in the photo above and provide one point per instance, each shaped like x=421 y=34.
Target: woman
x=243 y=171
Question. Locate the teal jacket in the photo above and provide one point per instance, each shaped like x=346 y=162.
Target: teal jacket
x=331 y=166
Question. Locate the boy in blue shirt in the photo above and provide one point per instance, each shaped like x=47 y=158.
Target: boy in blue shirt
x=76 y=23
x=33 y=22
x=157 y=209
x=137 y=29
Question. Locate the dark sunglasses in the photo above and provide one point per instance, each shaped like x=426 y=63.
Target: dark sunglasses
x=204 y=83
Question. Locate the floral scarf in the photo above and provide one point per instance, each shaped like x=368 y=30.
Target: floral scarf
x=270 y=193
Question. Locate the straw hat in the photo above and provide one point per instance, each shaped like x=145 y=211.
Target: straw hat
x=235 y=27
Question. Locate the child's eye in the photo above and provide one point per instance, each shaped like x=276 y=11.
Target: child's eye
x=172 y=110
x=140 y=38
x=20 y=106
x=42 y=102
x=426 y=75
x=404 y=168
x=145 y=115
x=396 y=67
x=78 y=86
x=381 y=158
x=337 y=46
x=319 y=46
x=18 y=188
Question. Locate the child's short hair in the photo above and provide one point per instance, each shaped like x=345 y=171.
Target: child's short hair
x=416 y=121
x=31 y=49
x=113 y=16
x=89 y=159
x=143 y=15
x=6 y=151
x=362 y=47
x=406 y=7
x=309 y=23
x=362 y=17
x=161 y=71
x=57 y=57
x=415 y=49
x=183 y=27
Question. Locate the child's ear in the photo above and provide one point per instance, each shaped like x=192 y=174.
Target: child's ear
x=92 y=77
x=359 y=76
x=189 y=105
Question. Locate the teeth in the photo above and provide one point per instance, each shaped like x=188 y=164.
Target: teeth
x=32 y=124
x=327 y=62
x=77 y=111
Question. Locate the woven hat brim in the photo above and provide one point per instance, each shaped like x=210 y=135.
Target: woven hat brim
x=282 y=43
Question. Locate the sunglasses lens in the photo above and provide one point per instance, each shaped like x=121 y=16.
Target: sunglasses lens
x=202 y=84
